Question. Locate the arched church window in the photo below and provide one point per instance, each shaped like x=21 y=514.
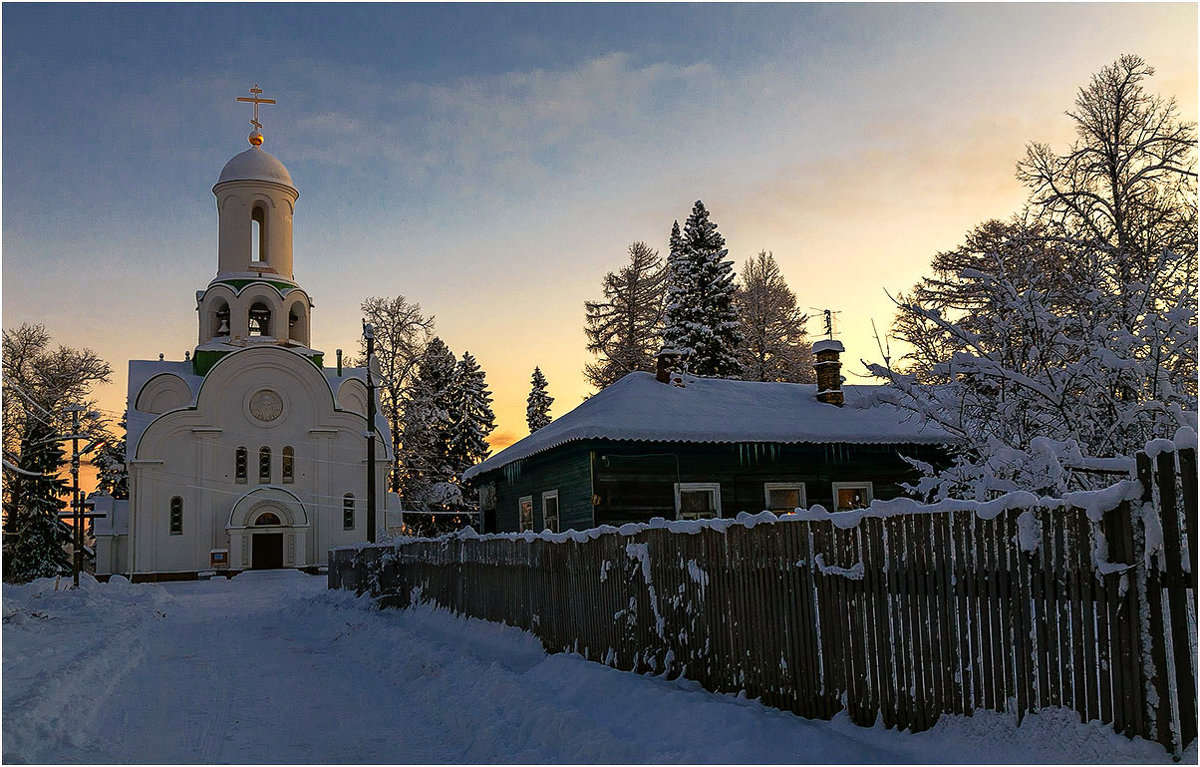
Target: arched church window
x=239 y=465
x=176 y=516
x=267 y=518
x=260 y=319
x=348 y=511
x=264 y=464
x=289 y=470
x=258 y=234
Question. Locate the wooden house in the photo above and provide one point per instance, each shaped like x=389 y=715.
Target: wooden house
x=684 y=447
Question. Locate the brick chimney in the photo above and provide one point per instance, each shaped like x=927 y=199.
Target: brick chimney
x=666 y=361
x=829 y=371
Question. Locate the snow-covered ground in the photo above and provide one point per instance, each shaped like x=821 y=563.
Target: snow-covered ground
x=271 y=667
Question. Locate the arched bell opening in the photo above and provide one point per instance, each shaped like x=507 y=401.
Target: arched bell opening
x=219 y=317
x=298 y=323
x=260 y=319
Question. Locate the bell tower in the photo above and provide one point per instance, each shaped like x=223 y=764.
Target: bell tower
x=254 y=298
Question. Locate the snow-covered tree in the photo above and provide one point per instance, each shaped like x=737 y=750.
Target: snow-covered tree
x=34 y=536
x=472 y=419
x=426 y=426
x=700 y=320
x=1070 y=332
x=624 y=328
x=112 y=475
x=776 y=346
x=39 y=383
x=537 y=406
x=401 y=334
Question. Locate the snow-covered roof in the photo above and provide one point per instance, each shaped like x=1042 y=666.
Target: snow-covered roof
x=719 y=410
x=141 y=371
x=255 y=165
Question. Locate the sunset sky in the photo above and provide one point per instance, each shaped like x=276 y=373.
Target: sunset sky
x=492 y=162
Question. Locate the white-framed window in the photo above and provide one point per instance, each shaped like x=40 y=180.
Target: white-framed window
x=697 y=500
x=852 y=495
x=525 y=505
x=782 y=497
x=550 y=510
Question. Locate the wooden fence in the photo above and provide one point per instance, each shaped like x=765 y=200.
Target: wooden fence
x=905 y=616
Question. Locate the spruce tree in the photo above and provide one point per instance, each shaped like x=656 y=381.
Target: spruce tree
x=34 y=536
x=426 y=426
x=39 y=383
x=112 y=475
x=537 y=406
x=472 y=419
x=700 y=321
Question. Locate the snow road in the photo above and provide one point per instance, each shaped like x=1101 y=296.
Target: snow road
x=271 y=667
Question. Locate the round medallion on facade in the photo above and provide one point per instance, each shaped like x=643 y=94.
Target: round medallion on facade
x=265 y=405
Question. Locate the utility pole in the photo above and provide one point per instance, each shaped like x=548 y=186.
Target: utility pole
x=369 y=335
x=76 y=505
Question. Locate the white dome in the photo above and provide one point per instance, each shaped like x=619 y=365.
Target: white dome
x=255 y=165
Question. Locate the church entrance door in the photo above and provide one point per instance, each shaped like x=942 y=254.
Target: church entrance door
x=266 y=551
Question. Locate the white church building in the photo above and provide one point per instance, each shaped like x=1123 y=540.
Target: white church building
x=250 y=454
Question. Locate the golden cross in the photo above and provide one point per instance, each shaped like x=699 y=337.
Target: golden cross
x=255 y=100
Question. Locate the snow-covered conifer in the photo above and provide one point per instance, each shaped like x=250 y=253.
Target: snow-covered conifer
x=623 y=329
x=537 y=406
x=472 y=419
x=700 y=320
x=426 y=426
x=39 y=383
x=112 y=475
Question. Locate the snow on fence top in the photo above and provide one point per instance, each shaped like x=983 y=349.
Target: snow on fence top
x=1093 y=502
x=720 y=410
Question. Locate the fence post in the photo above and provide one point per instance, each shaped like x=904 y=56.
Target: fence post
x=1182 y=704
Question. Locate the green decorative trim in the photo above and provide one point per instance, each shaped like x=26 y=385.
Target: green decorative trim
x=204 y=359
x=240 y=284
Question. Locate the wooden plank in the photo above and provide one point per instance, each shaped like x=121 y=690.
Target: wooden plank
x=856 y=662
x=795 y=649
x=939 y=603
x=963 y=575
x=1182 y=682
x=900 y=596
x=912 y=634
x=1023 y=644
x=869 y=537
x=807 y=609
x=1087 y=607
x=1072 y=568
x=928 y=650
x=952 y=668
x=826 y=621
x=778 y=625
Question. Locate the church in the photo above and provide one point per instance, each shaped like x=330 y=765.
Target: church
x=250 y=453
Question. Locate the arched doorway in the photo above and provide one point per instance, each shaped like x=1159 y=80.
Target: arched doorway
x=267 y=545
x=268 y=528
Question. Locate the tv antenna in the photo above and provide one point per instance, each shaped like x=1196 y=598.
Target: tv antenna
x=829 y=321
